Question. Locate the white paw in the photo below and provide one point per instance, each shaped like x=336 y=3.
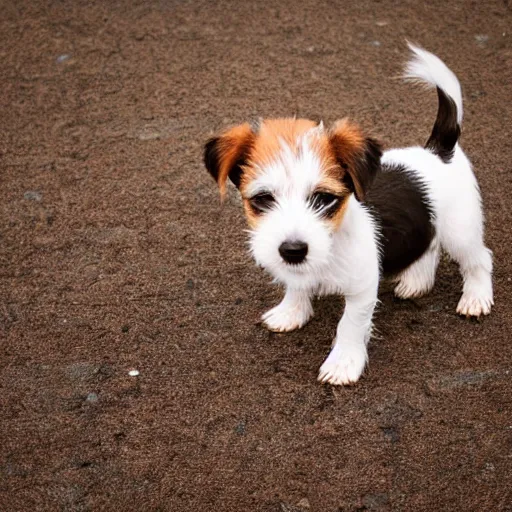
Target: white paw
x=287 y=318
x=344 y=365
x=471 y=304
x=408 y=288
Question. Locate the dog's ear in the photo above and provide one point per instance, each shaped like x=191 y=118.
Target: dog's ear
x=358 y=156
x=225 y=155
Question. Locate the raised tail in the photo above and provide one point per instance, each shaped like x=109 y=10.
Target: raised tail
x=427 y=69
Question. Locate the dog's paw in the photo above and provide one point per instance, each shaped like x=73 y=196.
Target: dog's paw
x=285 y=318
x=410 y=289
x=344 y=365
x=471 y=304
x=414 y=284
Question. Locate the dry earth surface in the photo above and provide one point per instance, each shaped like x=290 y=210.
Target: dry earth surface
x=116 y=255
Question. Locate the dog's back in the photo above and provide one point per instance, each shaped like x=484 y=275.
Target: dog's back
x=443 y=172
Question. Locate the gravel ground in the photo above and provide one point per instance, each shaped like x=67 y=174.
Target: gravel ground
x=133 y=372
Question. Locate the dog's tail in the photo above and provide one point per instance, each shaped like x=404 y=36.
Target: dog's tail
x=427 y=69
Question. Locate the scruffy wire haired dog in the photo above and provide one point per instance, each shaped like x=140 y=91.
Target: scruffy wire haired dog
x=330 y=213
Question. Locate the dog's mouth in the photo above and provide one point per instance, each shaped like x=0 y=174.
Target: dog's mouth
x=297 y=268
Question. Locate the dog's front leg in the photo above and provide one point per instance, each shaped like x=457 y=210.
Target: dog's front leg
x=348 y=356
x=293 y=312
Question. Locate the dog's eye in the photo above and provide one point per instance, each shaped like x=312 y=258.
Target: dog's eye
x=262 y=202
x=324 y=203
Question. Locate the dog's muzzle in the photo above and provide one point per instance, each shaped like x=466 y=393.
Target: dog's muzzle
x=293 y=252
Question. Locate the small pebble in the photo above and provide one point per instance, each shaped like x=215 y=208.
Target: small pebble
x=304 y=503
x=240 y=429
x=133 y=373
x=92 y=397
x=149 y=134
x=481 y=39
x=33 y=195
x=63 y=58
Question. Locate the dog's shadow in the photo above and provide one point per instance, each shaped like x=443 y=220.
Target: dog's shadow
x=392 y=314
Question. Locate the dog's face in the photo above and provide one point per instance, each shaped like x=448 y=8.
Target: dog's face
x=295 y=178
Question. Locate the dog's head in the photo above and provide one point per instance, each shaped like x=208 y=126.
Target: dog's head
x=295 y=178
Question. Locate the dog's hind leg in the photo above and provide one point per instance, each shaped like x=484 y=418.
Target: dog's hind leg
x=461 y=231
x=475 y=262
x=418 y=279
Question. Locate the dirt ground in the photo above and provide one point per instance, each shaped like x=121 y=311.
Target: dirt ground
x=116 y=255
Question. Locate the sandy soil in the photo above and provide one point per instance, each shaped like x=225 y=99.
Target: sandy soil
x=116 y=256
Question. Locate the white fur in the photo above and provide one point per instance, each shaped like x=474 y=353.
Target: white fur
x=346 y=261
x=291 y=313
x=454 y=194
x=418 y=279
x=455 y=197
x=429 y=70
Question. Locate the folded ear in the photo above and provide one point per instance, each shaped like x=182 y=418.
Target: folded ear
x=358 y=155
x=225 y=156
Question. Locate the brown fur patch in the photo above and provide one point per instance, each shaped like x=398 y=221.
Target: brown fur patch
x=347 y=139
x=332 y=179
x=251 y=216
x=267 y=145
x=268 y=140
x=336 y=219
x=272 y=132
x=342 y=152
x=232 y=148
x=358 y=155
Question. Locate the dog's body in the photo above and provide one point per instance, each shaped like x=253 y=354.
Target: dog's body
x=331 y=214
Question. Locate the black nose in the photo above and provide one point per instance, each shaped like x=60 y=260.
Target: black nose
x=293 y=252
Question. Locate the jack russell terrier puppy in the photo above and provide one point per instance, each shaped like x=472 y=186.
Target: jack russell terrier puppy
x=330 y=213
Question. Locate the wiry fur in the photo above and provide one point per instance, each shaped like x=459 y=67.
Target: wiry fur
x=427 y=69
x=287 y=162
x=455 y=197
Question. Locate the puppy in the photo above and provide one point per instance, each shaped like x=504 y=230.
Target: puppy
x=329 y=213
